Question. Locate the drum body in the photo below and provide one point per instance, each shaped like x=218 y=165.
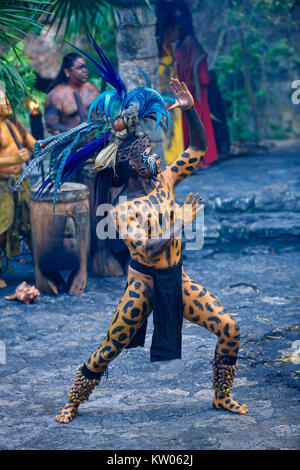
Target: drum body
x=61 y=240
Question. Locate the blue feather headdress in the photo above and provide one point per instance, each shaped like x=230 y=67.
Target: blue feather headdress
x=117 y=114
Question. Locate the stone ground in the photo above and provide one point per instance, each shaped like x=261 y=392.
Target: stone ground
x=250 y=260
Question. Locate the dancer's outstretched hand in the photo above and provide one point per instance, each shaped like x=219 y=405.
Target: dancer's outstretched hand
x=190 y=208
x=184 y=99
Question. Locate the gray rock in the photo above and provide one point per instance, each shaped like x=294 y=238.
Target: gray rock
x=168 y=405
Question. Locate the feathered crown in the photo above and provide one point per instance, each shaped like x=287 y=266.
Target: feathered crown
x=117 y=114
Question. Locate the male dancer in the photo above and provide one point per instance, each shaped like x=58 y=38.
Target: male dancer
x=156 y=265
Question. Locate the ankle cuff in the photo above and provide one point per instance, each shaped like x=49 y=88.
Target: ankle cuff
x=90 y=374
x=82 y=387
x=223 y=374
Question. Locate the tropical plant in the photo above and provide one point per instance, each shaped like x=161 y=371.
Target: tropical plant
x=245 y=72
x=69 y=16
x=18 y=63
x=18 y=18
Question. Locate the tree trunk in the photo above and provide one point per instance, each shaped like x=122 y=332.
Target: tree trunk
x=136 y=46
x=248 y=84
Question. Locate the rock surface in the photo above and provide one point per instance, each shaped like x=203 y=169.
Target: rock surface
x=168 y=405
x=251 y=198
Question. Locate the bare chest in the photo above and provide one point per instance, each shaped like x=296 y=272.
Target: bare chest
x=73 y=100
x=7 y=143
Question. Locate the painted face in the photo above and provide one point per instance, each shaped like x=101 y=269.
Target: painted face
x=151 y=159
x=78 y=72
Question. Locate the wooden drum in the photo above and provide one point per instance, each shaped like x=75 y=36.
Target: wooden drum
x=61 y=241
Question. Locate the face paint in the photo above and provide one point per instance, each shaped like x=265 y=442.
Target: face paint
x=149 y=157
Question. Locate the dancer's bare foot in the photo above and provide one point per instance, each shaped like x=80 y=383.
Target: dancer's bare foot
x=68 y=413
x=225 y=402
x=2 y=283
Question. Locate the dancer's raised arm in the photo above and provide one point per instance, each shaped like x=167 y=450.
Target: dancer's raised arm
x=185 y=164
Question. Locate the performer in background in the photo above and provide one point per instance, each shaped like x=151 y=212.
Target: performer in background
x=15 y=144
x=191 y=68
x=151 y=223
x=70 y=95
x=166 y=36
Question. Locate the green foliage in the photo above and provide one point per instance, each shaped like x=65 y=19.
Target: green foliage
x=71 y=16
x=105 y=35
x=263 y=24
x=278 y=132
x=21 y=88
x=280 y=52
x=17 y=19
x=68 y=17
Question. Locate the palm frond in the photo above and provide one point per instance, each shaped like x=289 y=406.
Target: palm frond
x=19 y=79
x=64 y=14
x=10 y=76
x=69 y=16
x=17 y=19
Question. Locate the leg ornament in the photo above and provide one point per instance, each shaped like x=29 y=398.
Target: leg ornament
x=84 y=383
x=204 y=309
x=224 y=373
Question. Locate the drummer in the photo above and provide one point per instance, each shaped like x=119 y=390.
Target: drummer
x=15 y=143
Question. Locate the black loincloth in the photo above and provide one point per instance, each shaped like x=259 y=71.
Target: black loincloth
x=167 y=304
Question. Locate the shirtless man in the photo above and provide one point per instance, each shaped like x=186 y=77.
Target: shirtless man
x=14 y=207
x=62 y=111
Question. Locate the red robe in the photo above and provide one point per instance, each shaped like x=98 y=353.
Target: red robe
x=192 y=69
